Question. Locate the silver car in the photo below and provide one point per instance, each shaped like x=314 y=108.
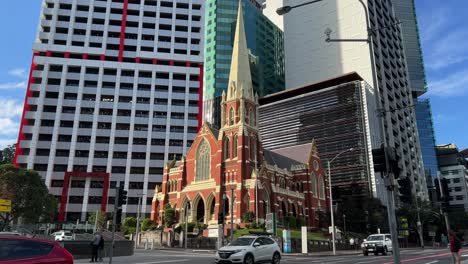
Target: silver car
x=250 y=249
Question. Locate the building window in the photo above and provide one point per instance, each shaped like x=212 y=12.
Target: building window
x=313 y=181
x=203 y=161
x=321 y=188
x=234 y=147
x=226 y=148
x=231 y=117
x=252 y=117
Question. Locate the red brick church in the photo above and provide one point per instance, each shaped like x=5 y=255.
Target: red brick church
x=288 y=182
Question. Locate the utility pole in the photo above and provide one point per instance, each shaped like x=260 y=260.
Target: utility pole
x=114 y=221
x=186 y=225
x=232 y=214
x=256 y=191
x=96 y=222
x=332 y=218
x=137 y=223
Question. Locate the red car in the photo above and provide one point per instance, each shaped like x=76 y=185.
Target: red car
x=22 y=250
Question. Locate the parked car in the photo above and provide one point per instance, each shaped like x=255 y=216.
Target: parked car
x=24 y=250
x=250 y=249
x=10 y=233
x=63 y=235
x=378 y=243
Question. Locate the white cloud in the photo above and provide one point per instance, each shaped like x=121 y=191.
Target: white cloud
x=18 y=72
x=13 y=85
x=451 y=85
x=8 y=126
x=10 y=108
x=5 y=142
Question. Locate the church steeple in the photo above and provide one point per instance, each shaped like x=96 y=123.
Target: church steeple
x=240 y=80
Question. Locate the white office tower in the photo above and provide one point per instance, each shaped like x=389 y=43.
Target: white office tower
x=309 y=59
x=113 y=95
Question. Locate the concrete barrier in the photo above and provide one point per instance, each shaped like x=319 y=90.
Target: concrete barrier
x=82 y=249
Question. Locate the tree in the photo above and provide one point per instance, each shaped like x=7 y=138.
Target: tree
x=363 y=214
x=8 y=154
x=101 y=221
x=146 y=224
x=129 y=225
x=30 y=197
x=168 y=215
x=428 y=215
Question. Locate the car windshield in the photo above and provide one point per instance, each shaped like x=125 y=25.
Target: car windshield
x=243 y=241
x=375 y=238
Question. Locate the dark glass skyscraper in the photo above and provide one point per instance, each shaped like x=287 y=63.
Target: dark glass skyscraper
x=405 y=11
x=264 y=40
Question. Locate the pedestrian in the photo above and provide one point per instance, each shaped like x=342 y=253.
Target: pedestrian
x=95 y=247
x=101 y=248
x=455 y=245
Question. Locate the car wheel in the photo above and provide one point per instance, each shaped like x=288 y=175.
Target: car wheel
x=276 y=258
x=365 y=253
x=385 y=251
x=249 y=259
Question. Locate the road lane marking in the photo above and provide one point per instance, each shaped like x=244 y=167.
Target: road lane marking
x=164 y=261
x=432 y=262
x=425 y=257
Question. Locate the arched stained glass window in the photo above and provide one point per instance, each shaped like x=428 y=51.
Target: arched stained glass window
x=231 y=116
x=234 y=147
x=321 y=188
x=252 y=117
x=313 y=181
x=226 y=148
x=203 y=161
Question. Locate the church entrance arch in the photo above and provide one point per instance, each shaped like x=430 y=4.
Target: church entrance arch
x=199 y=209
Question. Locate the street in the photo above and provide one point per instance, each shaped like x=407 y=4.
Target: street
x=416 y=256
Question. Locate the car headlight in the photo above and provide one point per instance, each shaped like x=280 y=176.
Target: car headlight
x=238 y=250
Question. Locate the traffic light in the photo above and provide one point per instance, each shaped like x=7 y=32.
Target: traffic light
x=122 y=196
x=118 y=219
x=394 y=167
x=405 y=190
x=378 y=156
x=444 y=201
x=220 y=218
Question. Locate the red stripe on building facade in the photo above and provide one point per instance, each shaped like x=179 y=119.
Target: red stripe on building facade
x=200 y=97
x=19 y=150
x=123 y=25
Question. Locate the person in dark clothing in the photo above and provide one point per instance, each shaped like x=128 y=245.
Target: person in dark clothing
x=455 y=245
x=95 y=247
x=101 y=249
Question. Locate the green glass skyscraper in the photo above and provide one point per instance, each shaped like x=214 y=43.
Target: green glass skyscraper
x=264 y=40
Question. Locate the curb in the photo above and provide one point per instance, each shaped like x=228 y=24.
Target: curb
x=321 y=254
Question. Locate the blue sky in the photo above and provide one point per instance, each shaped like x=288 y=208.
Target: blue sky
x=444 y=35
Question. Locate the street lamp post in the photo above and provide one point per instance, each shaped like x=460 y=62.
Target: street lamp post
x=344 y=225
x=332 y=218
x=388 y=178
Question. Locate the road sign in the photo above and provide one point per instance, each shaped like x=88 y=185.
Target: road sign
x=270 y=223
x=5 y=202
x=432 y=233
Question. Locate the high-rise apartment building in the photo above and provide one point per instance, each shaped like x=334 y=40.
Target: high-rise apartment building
x=405 y=11
x=309 y=58
x=265 y=43
x=113 y=94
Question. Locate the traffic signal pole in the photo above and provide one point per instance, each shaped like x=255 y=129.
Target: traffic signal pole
x=114 y=223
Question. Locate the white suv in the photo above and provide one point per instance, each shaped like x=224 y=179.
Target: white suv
x=249 y=250
x=63 y=236
x=378 y=243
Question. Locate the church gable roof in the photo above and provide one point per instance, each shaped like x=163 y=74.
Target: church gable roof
x=286 y=157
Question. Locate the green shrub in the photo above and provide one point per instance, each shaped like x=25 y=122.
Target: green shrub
x=168 y=215
x=248 y=217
